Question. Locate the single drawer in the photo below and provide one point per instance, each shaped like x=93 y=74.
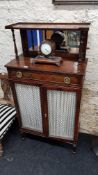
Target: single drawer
x=59 y=79
x=52 y=78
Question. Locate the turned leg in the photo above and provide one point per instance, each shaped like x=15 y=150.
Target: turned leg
x=22 y=135
x=1 y=149
x=6 y=89
x=74 y=148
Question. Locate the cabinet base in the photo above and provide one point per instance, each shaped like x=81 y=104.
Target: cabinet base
x=25 y=132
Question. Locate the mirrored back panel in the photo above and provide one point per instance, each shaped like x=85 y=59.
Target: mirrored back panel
x=70 y=39
x=70 y=44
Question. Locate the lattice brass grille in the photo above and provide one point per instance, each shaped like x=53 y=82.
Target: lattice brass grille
x=61 y=113
x=30 y=106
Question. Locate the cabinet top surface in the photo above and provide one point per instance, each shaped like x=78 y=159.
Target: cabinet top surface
x=66 y=67
x=28 y=25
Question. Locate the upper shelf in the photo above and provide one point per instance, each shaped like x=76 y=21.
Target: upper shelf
x=68 y=26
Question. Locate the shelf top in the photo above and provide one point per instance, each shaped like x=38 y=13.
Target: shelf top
x=67 y=66
x=29 y=25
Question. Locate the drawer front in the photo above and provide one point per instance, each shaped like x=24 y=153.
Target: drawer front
x=52 y=78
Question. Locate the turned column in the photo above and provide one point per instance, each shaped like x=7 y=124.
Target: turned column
x=15 y=47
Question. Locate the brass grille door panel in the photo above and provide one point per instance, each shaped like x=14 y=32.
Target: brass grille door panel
x=29 y=106
x=61 y=113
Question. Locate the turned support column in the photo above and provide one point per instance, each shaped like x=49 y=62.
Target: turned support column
x=15 y=47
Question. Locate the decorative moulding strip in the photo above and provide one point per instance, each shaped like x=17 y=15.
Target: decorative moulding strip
x=68 y=2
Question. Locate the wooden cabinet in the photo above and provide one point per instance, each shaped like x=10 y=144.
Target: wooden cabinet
x=48 y=97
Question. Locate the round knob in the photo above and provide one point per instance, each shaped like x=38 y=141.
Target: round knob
x=19 y=74
x=66 y=80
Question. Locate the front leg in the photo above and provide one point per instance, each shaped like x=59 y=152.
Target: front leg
x=1 y=149
x=74 y=148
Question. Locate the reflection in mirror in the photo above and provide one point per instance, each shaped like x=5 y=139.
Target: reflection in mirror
x=73 y=41
x=65 y=40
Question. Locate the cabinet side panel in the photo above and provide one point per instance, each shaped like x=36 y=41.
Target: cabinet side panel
x=61 y=113
x=29 y=106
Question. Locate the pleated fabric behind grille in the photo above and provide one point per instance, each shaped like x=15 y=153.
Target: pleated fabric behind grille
x=61 y=113
x=30 y=106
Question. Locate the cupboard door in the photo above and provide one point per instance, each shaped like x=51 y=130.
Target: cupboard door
x=61 y=113
x=29 y=103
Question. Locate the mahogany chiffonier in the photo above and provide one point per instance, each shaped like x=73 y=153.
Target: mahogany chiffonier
x=48 y=95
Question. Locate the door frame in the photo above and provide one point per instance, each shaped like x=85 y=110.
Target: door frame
x=22 y=129
x=78 y=91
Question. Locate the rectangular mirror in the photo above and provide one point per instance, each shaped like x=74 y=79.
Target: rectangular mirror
x=70 y=44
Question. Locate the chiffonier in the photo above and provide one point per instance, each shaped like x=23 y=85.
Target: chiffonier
x=48 y=95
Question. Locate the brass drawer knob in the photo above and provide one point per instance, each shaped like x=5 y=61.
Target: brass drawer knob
x=67 y=80
x=19 y=74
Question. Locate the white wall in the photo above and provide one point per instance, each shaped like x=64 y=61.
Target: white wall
x=44 y=10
